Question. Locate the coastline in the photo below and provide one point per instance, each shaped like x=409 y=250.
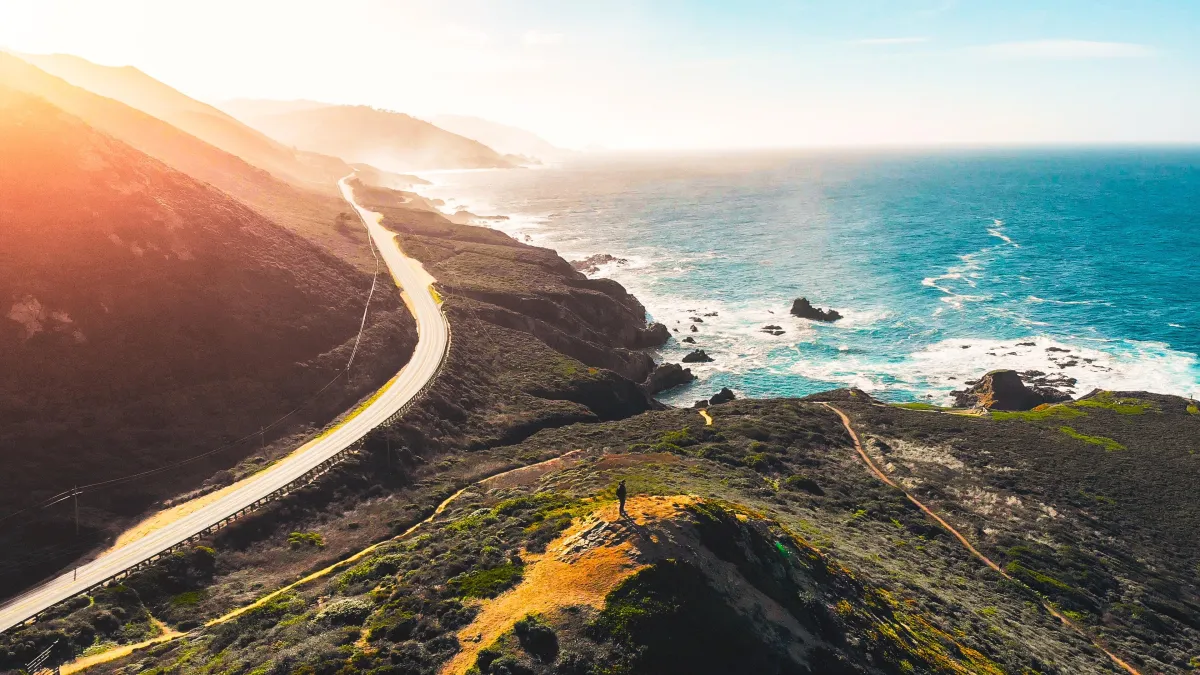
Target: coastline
x=810 y=356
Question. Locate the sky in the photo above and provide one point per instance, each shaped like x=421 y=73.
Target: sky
x=668 y=74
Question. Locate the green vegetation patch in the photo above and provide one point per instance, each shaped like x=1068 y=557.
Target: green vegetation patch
x=487 y=583
x=303 y=539
x=1121 y=405
x=1042 y=412
x=1107 y=443
x=1193 y=409
x=918 y=405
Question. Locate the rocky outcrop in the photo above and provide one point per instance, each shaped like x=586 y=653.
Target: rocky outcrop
x=655 y=335
x=698 y=356
x=1049 y=387
x=723 y=396
x=1003 y=390
x=667 y=376
x=592 y=263
x=804 y=309
x=773 y=329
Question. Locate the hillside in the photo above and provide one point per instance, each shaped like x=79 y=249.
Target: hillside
x=390 y=140
x=146 y=317
x=502 y=137
x=480 y=533
x=318 y=216
x=138 y=90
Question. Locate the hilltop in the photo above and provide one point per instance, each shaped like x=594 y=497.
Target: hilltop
x=138 y=90
x=480 y=535
x=383 y=138
x=147 y=317
x=318 y=215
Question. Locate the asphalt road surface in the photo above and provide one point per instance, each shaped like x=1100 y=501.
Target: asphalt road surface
x=432 y=345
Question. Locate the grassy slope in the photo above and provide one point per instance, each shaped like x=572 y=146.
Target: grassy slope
x=148 y=317
x=1108 y=534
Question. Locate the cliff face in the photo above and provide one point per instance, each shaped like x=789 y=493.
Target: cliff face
x=526 y=288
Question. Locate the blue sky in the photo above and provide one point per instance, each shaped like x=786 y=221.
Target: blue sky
x=674 y=74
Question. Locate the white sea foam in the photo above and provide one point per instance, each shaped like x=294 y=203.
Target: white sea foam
x=947 y=365
x=997 y=230
x=1035 y=299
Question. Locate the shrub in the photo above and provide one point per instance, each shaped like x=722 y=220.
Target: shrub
x=345 y=612
x=682 y=437
x=487 y=583
x=803 y=484
x=537 y=638
x=300 y=539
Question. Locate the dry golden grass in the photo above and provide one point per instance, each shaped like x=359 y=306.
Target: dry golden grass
x=581 y=567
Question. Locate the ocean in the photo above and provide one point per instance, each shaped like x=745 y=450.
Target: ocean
x=1080 y=263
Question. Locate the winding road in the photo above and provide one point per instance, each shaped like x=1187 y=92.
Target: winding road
x=432 y=346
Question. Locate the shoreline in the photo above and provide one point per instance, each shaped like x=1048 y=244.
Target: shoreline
x=810 y=357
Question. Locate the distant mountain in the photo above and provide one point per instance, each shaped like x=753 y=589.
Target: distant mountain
x=137 y=89
x=390 y=140
x=146 y=317
x=307 y=212
x=502 y=138
x=246 y=108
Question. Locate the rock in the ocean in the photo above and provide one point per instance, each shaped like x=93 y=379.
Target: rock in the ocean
x=697 y=319
x=711 y=314
x=1003 y=390
x=697 y=356
x=655 y=335
x=723 y=396
x=592 y=263
x=702 y=403
x=804 y=309
x=773 y=329
x=694 y=329
x=689 y=339
x=667 y=376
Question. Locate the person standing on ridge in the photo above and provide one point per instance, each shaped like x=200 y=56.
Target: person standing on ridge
x=621 y=494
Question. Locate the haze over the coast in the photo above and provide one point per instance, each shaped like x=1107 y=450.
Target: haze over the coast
x=646 y=75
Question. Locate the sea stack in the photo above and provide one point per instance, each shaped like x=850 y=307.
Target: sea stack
x=999 y=390
x=804 y=309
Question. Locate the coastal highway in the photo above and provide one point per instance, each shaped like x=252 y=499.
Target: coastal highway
x=432 y=345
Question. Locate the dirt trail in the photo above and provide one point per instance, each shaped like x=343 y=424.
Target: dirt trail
x=967 y=544
x=520 y=473
x=84 y=662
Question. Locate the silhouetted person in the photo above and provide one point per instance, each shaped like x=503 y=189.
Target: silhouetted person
x=621 y=494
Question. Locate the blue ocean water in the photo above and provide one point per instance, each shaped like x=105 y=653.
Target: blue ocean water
x=1079 y=263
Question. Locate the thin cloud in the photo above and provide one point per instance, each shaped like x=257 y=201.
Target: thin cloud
x=537 y=38
x=890 y=41
x=1066 y=50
